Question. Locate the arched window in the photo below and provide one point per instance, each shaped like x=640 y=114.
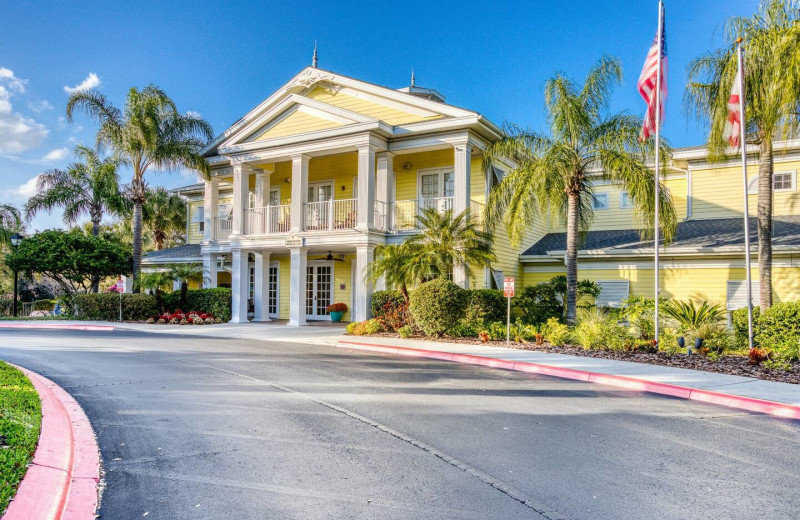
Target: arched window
x=781 y=181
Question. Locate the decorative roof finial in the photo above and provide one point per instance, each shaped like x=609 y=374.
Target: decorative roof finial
x=412 y=77
x=314 y=60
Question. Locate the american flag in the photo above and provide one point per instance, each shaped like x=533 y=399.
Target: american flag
x=733 y=125
x=648 y=79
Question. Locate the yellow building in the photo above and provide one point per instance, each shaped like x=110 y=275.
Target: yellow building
x=309 y=182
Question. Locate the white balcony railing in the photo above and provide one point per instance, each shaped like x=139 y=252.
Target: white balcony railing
x=403 y=213
x=380 y=216
x=269 y=220
x=328 y=215
x=222 y=228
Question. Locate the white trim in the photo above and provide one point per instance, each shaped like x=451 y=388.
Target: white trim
x=277 y=313
x=622 y=195
x=752 y=184
x=663 y=264
x=597 y=196
x=318 y=263
x=441 y=171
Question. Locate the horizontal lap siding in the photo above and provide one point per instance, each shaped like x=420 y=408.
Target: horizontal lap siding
x=718 y=192
x=340 y=168
x=378 y=111
x=298 y=123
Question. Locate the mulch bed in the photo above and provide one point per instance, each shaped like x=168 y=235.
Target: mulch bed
x=733 y=365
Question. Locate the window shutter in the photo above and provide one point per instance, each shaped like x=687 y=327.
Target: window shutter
x=612 y=293
x=198 y=215
x=737 y=293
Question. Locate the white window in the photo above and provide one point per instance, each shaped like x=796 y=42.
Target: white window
x=198 y=215
x=274 y=196
x=600 y=201
x=434 y=184
x=737 y=294
x=612 y=293
x=625 y=200
x=225 y=211
x=781 y=181
x=251 y=199
x=320 y=191
x=355 y=187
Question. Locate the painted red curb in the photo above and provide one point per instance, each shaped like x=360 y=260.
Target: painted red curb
x=631 y=383
x=62 y=481
x=54 y=326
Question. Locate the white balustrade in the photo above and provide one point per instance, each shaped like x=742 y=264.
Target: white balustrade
x=328 y=215
x=269 y=220
x=222 y=228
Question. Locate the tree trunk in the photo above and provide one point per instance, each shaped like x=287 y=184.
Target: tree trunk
x=137 y=243
x=404 y=292
x=572 y=256
x=765 y=223
x=184 y=290
x=95 y=232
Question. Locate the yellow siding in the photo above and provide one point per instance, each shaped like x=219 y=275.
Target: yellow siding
x=341 y=169
x=616 y=217
x=384 y=113
x=298 y=122
x=342 y=274
x=717 y=192
x=195 y=236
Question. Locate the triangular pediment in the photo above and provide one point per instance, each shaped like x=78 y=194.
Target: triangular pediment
x=318 y=101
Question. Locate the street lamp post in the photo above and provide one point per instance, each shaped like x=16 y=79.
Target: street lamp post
x=16 y=238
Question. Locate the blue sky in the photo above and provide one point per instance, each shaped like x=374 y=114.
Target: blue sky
x=220 y=59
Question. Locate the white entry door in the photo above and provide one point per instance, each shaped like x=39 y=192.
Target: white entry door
x=319 y=290
x=318 y=209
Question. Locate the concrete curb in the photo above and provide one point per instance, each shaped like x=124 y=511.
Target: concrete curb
x=62 y=481
x=53 y=326
x=631 y=383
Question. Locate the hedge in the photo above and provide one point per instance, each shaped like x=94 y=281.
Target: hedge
x=105 y=306
x=381 y=298
x=486 y=305
x=437 y=305
x=7 y=306
x=779 y=330
x=44 y=305
x=215 y=301
x=739 y=322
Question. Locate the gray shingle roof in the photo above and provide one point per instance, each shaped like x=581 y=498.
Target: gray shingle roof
x=173 y=253
x=710 y=233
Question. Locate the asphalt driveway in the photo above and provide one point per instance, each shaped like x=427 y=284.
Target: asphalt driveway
x=205 y=428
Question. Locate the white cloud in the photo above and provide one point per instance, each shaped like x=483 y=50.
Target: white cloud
x=56 y=155
x=28 y=189
x=192 y=113
x=91 y=81
x=17 y=132
x=40 y=106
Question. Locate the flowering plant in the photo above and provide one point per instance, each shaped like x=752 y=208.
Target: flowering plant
x=337 y=307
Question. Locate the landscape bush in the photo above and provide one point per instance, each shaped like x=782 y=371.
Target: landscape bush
x=406 y=331
x=216 y=301
x=6 y=306
x=44 y=305
x=739 y=322
x=598 y=329
x=437 y=305
x=779 y=330
x=486 y=306
x=394 y=315
x=105 y=306
x=555 y=332
x=381 y=298
x=362 y=328
x=538 y=303
x=465 y=329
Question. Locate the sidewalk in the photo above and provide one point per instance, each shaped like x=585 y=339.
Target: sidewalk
x=728 y=390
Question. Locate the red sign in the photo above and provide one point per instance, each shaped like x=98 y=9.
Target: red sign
x=508 y=287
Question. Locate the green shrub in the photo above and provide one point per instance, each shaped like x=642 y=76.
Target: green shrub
x=406 y=331
x=437 y=305
x=776 y=365
x=486 y=306
x=465 y=329
x=739 y=321
x=779 y=330
x=7 y=306
x=381 y=298
x=372 y=326
x=105 y=306
x=597 y=329
x=44 y=305
x=668 y=341
x=556 y=332
x=538 y=303
x=496 y=330
x=351 y=327
x=216 y=301
x=522 y=332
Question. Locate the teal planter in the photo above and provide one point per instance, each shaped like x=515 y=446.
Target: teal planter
x=336 y=316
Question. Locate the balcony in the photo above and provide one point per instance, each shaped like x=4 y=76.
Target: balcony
x=269 y=220
x=222 y=228
x=403 y=213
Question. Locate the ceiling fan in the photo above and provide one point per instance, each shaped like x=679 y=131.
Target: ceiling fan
x=329 y=257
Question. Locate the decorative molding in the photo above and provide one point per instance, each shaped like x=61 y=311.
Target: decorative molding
x=309 y=77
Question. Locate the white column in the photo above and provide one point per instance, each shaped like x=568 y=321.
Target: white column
x=210 y=208
x=261 y=297
x=262 y=188
x=384 y=185
x=366 y=188
x=299 y=192
x=363 y=289
x=239 y=282
x=297 y=286
x=209 y=271
x=461 y=197
x=241 y=190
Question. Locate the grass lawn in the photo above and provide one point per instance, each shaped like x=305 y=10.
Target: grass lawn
x=20 y=421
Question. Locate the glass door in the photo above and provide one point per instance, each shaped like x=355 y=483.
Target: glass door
x=319 y=290
x=318 y=212
x=273 y=290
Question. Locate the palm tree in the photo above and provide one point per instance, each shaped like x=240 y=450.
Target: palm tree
x=771 y=39
x=156 y=281
x=186 y=273
x=88 y=187
x=149 y=132
x=10 y=222
x=444 y=240
x=558 y=170
x=164 y=215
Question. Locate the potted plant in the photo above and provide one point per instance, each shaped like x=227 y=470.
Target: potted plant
x=337 y=310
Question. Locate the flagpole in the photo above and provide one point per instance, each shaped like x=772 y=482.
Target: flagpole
x=656 y=233
x=743 y=146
